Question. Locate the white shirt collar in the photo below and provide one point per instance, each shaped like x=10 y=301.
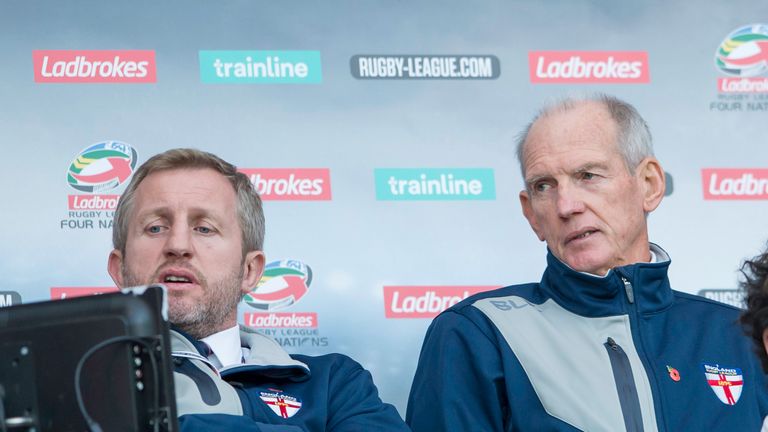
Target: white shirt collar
x=654 y=258
x=225 y=346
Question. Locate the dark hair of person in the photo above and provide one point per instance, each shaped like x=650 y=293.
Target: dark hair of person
x=755 y=318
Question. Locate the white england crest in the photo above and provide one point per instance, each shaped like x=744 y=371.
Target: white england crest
x=726 y=382
x=281 y=404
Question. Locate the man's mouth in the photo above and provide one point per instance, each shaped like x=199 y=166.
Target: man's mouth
x=580 y=235
x=176 y=279
x=177 y=276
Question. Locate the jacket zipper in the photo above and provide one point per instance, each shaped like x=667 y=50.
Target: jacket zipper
x=628 y=290
x=634 y=326
x=625 y=385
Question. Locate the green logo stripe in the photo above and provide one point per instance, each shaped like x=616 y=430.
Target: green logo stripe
x=282 y=272
x=100 y=154
x=750 y=37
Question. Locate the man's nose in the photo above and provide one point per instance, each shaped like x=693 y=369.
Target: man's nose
x=569 y=201
x=179 y=242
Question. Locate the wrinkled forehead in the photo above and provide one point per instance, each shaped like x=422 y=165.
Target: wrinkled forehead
x=585 y=126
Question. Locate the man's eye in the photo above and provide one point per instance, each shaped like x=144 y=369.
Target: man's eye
x=204 y=230
x=587 y=176
x=154 y=229
x=541 y=187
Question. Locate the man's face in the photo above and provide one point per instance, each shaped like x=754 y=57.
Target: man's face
x=184 y=232
x=580 y=197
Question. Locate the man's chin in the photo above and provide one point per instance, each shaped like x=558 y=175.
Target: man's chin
x=588 y=263
x=181 y=314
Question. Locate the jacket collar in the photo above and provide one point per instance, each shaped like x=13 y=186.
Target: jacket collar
x=597 y=296
x=267 y=358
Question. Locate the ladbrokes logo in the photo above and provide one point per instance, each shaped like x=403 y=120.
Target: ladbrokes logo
x=93 y=202
x=735 y=183
x=625 y=67
x=129 y=66
x=743 y=54
x=291 y=184
x=59 y=293
x=425 y=301
x=281 y=320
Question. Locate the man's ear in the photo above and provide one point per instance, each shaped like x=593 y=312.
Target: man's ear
x=525 y=203
x=115 y=267
x=653 y=183
x=253 y=268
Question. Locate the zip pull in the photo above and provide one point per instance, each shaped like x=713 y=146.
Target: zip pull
x=613 y=345
x=628 y=290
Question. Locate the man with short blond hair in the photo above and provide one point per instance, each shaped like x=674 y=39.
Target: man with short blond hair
x=192 y=222
x=602 y=342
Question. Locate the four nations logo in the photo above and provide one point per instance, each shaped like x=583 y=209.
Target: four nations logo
x=744 y=52
x=101 y=167
x=725 y=382
x=743 y=57
x=283 y=284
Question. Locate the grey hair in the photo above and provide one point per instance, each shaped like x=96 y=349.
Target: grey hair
x=634 y=139
x=249 y=210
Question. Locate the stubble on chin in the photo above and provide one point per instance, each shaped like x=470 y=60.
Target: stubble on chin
x=202 y=319
x=211 y=314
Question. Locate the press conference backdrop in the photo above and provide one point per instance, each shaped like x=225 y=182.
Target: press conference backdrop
x=380 y=134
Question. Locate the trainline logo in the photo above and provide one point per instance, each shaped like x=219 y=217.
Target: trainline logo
x=95 y=66
x=425 y=67
x=434 y=184
x=291 y=184
x=588 y=67
x=735 y=183
x=260 y=67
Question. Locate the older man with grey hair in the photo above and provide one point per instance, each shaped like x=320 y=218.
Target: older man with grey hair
x=602 y=342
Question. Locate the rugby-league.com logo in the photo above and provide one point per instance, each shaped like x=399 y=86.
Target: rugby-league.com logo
x=284 y=283
x=101 y=167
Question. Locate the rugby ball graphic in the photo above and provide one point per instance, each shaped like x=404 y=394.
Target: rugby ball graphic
x=284 y=283
x=102 y=167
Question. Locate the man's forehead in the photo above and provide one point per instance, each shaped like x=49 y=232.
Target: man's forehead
x=184 y=180
x=573 y=133
x=198 y=189
x=584 y=118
